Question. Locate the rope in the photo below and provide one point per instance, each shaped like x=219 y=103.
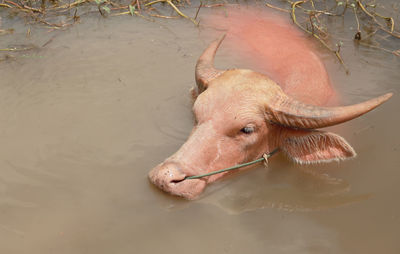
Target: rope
x=265 y=157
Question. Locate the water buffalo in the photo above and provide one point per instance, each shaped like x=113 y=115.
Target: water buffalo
x=241 y=114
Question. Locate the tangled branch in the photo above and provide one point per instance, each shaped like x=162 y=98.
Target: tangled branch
x=364 y=14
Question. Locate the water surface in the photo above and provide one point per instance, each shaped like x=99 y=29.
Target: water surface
x=83 y=120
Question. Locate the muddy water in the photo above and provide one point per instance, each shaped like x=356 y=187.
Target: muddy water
x=85 y=118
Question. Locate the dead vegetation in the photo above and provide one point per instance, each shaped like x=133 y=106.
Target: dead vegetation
x=375 y=24
x=47 y=12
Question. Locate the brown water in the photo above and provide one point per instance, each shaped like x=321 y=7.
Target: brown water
x=85 y=118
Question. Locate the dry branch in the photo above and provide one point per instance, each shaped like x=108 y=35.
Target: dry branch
x=310 y=12
x=335 y=51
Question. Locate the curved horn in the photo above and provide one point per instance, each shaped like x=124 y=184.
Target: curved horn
x=291 y=113
x=205 y=71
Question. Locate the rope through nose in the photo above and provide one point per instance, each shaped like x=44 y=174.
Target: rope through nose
x=264 y=158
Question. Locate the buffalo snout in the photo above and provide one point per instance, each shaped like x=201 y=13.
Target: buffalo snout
x=169 y=177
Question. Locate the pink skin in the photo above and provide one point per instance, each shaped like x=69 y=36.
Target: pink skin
x=214 y=144
x=230 y=103
x=276 y=48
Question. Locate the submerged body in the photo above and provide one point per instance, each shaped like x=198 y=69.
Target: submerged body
x=241 y=114
x=275 y=47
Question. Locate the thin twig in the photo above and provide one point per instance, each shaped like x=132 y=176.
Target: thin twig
x=277 y=8
x=163 y=16
x=198 y=10
x=5 y=5
x=336 y=52
x=138 y=5
x=382 y=27
x=68 y=6
x=14 y=49
x=174 y=7
x=213 y=5
x=357 y=36
x=154 y=2
x=180 y=13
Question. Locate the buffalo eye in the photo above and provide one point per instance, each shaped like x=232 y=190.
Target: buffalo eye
x=247 y=130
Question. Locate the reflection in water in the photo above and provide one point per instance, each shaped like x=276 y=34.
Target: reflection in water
x=285 y=188
x=83 y=120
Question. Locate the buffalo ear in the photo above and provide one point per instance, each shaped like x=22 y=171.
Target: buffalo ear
x=306 y=147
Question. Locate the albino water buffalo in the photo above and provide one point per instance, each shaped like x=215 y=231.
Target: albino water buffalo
x=241 y=114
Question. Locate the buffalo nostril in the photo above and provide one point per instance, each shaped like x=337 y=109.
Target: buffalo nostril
x=177 y=179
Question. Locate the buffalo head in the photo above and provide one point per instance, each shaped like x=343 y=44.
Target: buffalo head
x=240 y=115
